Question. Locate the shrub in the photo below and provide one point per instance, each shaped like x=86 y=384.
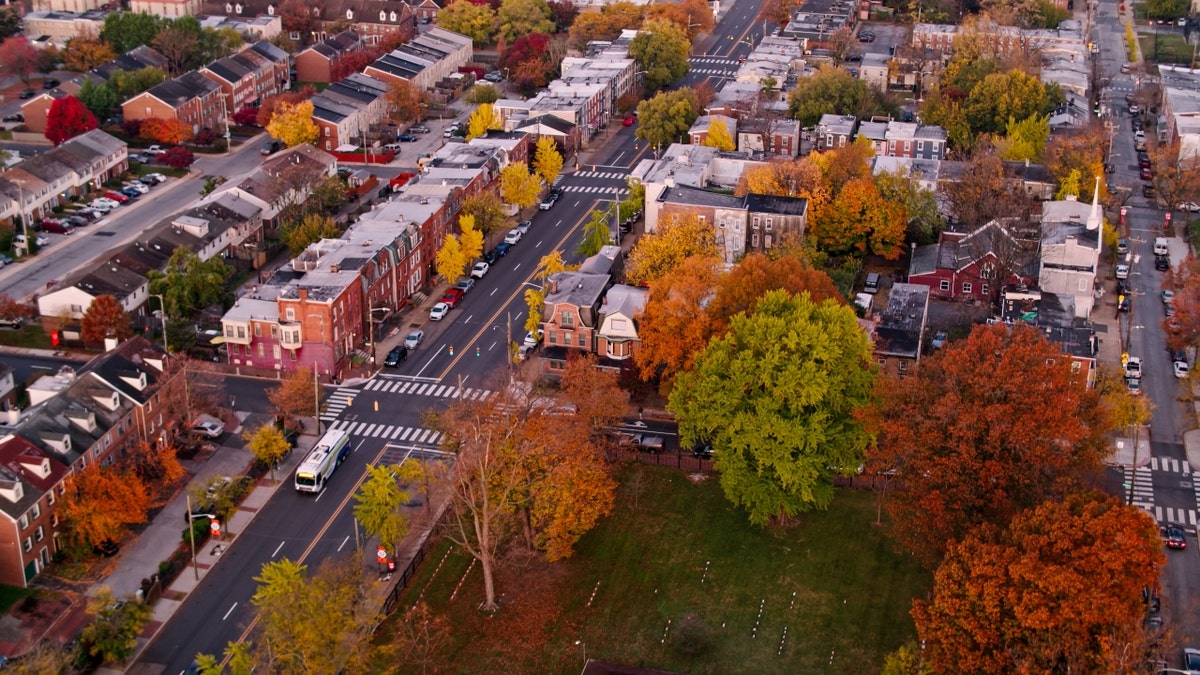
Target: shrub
x=178 y=158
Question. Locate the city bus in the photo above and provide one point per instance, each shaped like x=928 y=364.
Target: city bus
x=326 y=456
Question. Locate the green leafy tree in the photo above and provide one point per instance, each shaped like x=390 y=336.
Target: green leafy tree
x=661 y=49
x=105 y=318
x=189 y=284
x=1071 y=185
x=314 y=624
x=777 y=396
x=831 y=90
x=518 y=186
x=483 y=92
x=378 y=506
x=10 y=20
x=718 y=136
x=666 y=118
x=1166 y=9
x=112 y=633
x=217 y=43
x=1008 y=95
x=99 y=98
x=920 y=205
x=523 y=17
x=268 y=445
x=596 y=234
x=547 y=160
x=312 y=228
x=130 y=83
x=476 y=21
x=1024 y=140
x=126 y=30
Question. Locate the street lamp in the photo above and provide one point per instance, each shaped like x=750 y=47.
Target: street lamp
x=371 y=319
x=162 y=314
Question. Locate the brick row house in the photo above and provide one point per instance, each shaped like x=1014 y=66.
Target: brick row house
x=191 y=98
x=75 y=420
x=424 y=60
x=318 y=62
x=897 y=332
x=373 y=20
x=37 y=184
x=345 y=110
x=251 y=75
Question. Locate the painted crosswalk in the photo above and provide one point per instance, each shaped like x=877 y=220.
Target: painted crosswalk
x=595 y=189
x=1170 y=465
x=600 y=174
x=1142 y=492
x=1166 y=514
x=342 y=398
x=713 y=59
x=394 y=433
x=419 y=388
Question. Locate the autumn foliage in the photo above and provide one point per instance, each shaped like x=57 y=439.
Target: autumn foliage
x=272 y=103
x=68 y=117
x=1059 y=590
x=100 y=503
x=970 y=437
x=1183 y=329
x=678 y=237
x=105 y=318
x=164 y=131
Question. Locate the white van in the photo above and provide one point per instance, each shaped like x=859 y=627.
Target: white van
x=872 y=284
x=1160 y=246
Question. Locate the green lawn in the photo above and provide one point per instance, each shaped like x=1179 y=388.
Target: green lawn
x=30 y=336
x=1171 y=48
x=831 y=583
x=9 y=595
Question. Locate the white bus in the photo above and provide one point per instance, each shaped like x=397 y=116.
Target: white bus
x=326 y=456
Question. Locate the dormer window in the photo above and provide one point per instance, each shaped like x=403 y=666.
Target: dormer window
x=270 y=10
x=382 y=15
x=316 y=11
x=238 y=8
x=349 y=15
x=228 y=8
x=393 y=17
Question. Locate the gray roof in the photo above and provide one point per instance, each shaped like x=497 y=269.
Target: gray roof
x=270 y=51
x=924 y=260
x=576 y=288
x=784 y=206
x=182 y=89
x=682 y=194
x=899 y=330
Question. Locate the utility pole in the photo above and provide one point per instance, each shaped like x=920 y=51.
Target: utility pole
x=316 y=400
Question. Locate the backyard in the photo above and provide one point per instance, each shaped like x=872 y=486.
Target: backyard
x=678 y=579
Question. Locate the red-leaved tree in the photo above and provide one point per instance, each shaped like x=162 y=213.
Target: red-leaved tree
x=105 y=318
x=68 y=117
x=986 y=428
x=18 y=57
x=246 y=117
x=178 y=158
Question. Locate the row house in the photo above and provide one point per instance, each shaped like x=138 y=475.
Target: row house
x=1054 y=318
x=1181 y=111
x=897 y=332
x=75 y=421
x=774 y=136
x=619 y=74
x=972 y=266
x=835 y=131
x=132 y=61
x=1070 y=251
x=696 y=166
x=35 y=185
x=746 y=224
x=921 y=141
x=36 y=110
x=424 y=60
x=345 y=110
x=168 y=9
x=190 y=98
x=254 y=28
x=581 y=105
x=373 y=20
x=318 y=62
x=568 y=136
x=997 y=40
x=253 y=74
x=284 y=178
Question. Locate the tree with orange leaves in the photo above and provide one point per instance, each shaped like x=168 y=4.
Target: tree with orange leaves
x=100 y=503
x=756 y=275
x=693 y=16
x=861 y=220
x=1183 y=329
x=595 y=393
x=154 y=464
x=970 y=439
x=674 y=326
x=165 y=131
x=1059 y=590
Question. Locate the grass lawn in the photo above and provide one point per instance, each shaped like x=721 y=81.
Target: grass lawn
x=1171 y=48
x=30 y=336
x=826 y=595
x=10 y=595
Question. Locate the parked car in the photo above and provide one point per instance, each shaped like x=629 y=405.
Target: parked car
x=1168 y=296
x=513 y=236
x=480 y=269
x=26 y=94
x=1181 y=369
x=1135 y=386
x=40 y=240
x=406 y=138
x=272 y=147
x=50 y=83
x=439 y=311
x=395 y=357
x=491 y=257
x=502 y=248
x=1123 y=304
x=494 y=77
x=628 y=121
x=1162 y=263
x=547 y=202
x=1191 y=660
x=1188 y=206
x=102 y=205
x=1148 y=191
x=154 y=150
x=1146 y=174
x=156 y=177
x=15 y=117
x=533 y=340
x=1133 y=368
x=465 y=284
x=413 y=339
x=76 y=221
x=939 y=339
x=116 y=196
x=1122 y=272
x=523 y=227
x=452 y=297
x=208 y=428
x=57 y=226
x=138 y=187
x=418 y=129
x=4 y=260
x=107 y=548
x=130 y=192
x=1122 y=246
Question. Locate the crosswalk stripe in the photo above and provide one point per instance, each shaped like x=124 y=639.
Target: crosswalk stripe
x=396 y=433
x=407 y=433
x=424 y=435
x=370 y=431
x=422 y=389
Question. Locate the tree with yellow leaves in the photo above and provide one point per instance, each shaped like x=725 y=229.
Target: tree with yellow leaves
x=675 y=326
x=471 y=239
x=548 y=161
x=293 y=124
x=678 y=238
x=481 y=120
x=860 y=219
x=451 y=259
x=551 y=263
x=718 y=136
x=518 y=186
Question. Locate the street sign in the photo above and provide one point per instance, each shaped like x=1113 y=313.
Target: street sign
x=381 y=553
x=214 y=527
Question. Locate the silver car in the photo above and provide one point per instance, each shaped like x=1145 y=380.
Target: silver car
x=413 y=339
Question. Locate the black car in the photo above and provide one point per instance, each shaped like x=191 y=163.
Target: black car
x=1162 y=263
x=26 y=94
x=703 y=450
x=15 y=117
x=395 y=357
x=50 y=83
x=491 y=257
x=406 y=138
x=107 y=548
x=1173 y=537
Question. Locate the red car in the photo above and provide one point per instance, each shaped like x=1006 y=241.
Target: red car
x=453 y=297
x=57 y=226
x=629 y=120
x=117 y=196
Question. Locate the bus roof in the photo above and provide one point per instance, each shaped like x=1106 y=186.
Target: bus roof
x=321 y=450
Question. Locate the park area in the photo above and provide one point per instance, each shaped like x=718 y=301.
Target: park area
x=678 y=579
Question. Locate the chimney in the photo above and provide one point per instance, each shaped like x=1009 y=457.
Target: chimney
x=303 y=292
